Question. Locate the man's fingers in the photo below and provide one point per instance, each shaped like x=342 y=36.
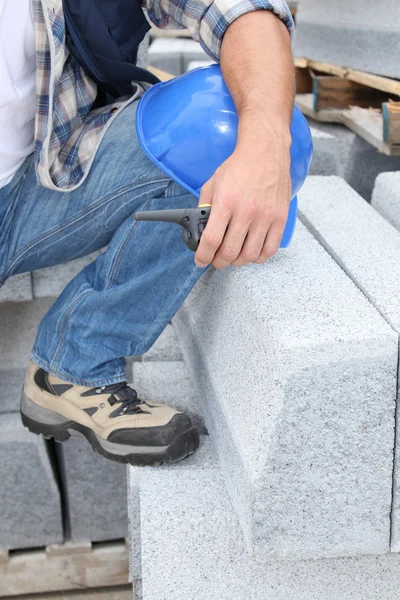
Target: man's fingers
x=254 y=242
x=232 y=244
x=272 y=240
x=212 y=236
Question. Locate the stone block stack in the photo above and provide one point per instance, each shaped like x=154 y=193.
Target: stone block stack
x=294 y=493
x=363 y=34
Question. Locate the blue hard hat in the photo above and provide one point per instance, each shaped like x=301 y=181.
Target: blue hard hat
x=188 y=127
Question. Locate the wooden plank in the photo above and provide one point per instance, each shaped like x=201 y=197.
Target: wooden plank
x=338 y=92
x=391 y=126
x=41 y=571
x=367 y=123
x=384 y=84
x=3 y=556
x=304 y=81
x=162 y=75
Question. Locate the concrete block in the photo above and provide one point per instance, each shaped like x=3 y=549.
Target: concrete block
x=143 y=52
x=95 y=491
x=386 y=197
x=17 y=289
x=51 y=281
x=166 y=54
x=354 y=159
x=367 y=247
x=192 y=51
x=190 y=546
x=11 y=383
x=166 y=347
x=326 y=159
x=350 y=34
x=170 y=383
x=197 y=64
x=297 y=372
x=30 y=506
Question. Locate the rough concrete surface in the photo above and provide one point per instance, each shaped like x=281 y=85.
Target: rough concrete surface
x=29 y=496
x=368 y=249
x=51 y=281
x=166 y=347
x=17 y=289
x=348 y=156
x=168 y=382
x=18 y=325
x=95 y=493
x=386 y=197
x=350 y=34
x=192 y=547
x=297 y=371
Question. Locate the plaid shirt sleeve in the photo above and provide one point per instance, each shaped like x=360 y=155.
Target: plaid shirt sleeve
x=207 y=20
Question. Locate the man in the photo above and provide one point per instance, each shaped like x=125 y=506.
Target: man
x=70 y=186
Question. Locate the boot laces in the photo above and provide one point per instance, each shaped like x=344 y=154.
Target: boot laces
x=127 y=396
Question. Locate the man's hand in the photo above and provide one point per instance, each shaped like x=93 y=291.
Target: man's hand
x=250 y=192
x=250 y=196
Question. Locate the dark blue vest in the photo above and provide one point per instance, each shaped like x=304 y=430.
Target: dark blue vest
x=104 y=36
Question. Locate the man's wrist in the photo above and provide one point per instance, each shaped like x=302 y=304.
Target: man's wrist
x=259 y=129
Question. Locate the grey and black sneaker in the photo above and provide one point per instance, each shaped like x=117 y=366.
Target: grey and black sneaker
x=112 y=418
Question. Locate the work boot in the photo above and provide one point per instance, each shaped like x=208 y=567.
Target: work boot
x=112 y=418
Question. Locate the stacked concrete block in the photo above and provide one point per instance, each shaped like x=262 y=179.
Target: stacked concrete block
x=361 y=34
x=18 y=326
x=162 y=376
x=198 y=64
x=30 y=506
x=95 y=493
x=17 y=289
x=297 y=373
x=348 y=156
x=386 y=197
x=50 y=282
x=174 y=55
x=190 y=546
x=326 y=159
x=367 y=247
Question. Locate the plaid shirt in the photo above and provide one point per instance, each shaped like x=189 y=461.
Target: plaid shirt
x=67 y=131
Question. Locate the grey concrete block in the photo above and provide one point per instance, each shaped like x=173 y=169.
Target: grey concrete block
x=197 y=64
x=190 y=547
x=386 y=197
x=51 y=281
x=170 y=383
x=350 y=157
x=192 y=51
x=297 y=372
x=367 y=247
x=350 y=34
x=166 y=347
x=16 y=289
x=166 y=54
x=18 y=325
x=30 y=506
x=143 y=52
x=326 y=158
x=11 y=383
x=96 y=495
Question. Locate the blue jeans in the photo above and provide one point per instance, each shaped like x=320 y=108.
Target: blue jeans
x=119 y=304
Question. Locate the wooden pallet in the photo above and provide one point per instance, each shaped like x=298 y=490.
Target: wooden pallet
x=64 y=567
x=367 y=104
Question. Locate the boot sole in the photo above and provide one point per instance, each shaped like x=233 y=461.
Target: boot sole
x=53 y=426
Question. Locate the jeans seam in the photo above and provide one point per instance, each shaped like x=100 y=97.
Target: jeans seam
x=63 y=326
x=99 y=204
x=117 y=261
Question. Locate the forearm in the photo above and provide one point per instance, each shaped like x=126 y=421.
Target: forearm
x=257 y=65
